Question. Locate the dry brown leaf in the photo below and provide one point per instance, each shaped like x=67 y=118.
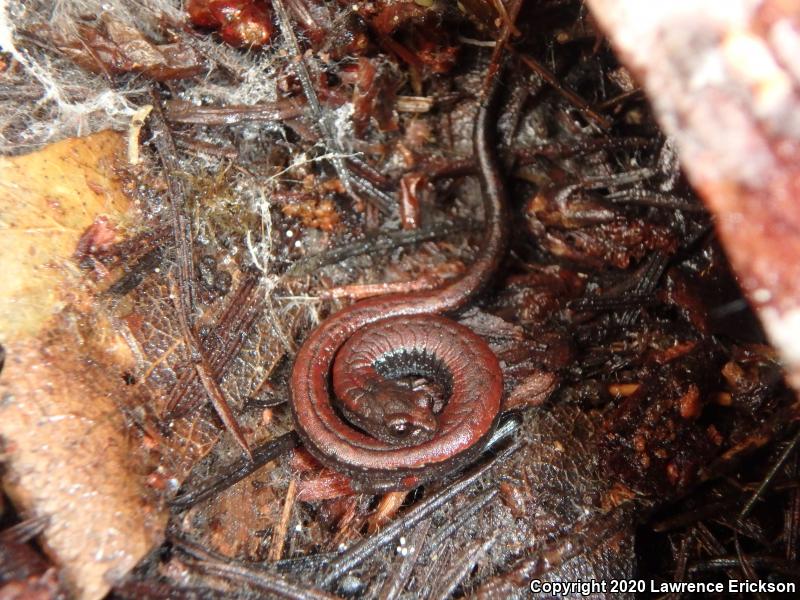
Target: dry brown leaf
x=69 y=454
x=111 y=47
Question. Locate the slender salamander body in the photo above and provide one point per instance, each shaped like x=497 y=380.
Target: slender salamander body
x=400 y=443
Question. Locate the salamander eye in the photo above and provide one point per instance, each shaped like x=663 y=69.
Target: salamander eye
x=398 y=427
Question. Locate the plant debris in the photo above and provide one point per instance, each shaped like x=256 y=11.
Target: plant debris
x=300 y=153
x=113 y=48
x=69 y=455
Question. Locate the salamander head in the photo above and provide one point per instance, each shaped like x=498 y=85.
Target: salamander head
x=396 y=414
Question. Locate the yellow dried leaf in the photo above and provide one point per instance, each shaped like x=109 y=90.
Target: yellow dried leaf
x=47 y=200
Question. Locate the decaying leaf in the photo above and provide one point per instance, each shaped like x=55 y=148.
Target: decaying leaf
x=112 y=48
x=69 y=456
x=47 y=202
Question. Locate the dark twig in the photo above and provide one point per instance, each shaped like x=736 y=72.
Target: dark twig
x=611 y=302
x=151 y=590
x=438 y=168
x=638 y=294
x=654 y=199
x=462 y=517
x=366 y=548
x=682 y=560
x=326 y=129
x=713 y=547
x=224 y=341
x=770 y=476
x=267 y=582
x=791 y=528
x=399 y=575
x=380 y=199
x=582 y=540
x=501 y=44
x=367 y=171
x=555 y=150
x=378 y=243
x=218 y=400
x=762 y=563
x=181 y=229
x=651 y=273
x=184 y=296
x=212 y=563
x=309 y=562
x=748 y=527
x=708 y=540
x=745 y=565
x=689 y=517
x=570 y=95
x=261 y=455
x=461 y=567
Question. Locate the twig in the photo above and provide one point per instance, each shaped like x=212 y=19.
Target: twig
x=181 y=229
x=217 y=565
x=261 y=455
x=360 y=291
x=462 y=566
x=399 y=577
x=178 y=111
x=268 y=582
x=570 y=95
x=770 y=476
x=372 y=244
x=682 y=560
x=238 y=316
x=463 y=516
x=689 y=517
x=791 y=527
x=279 y=537
x=366 y=548
x=184 y=298
x=745 y=565
x=724 y=563
x=554 y=554
x=323 y=122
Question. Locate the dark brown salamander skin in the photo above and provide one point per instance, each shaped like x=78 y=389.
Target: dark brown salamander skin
x=409 y=323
